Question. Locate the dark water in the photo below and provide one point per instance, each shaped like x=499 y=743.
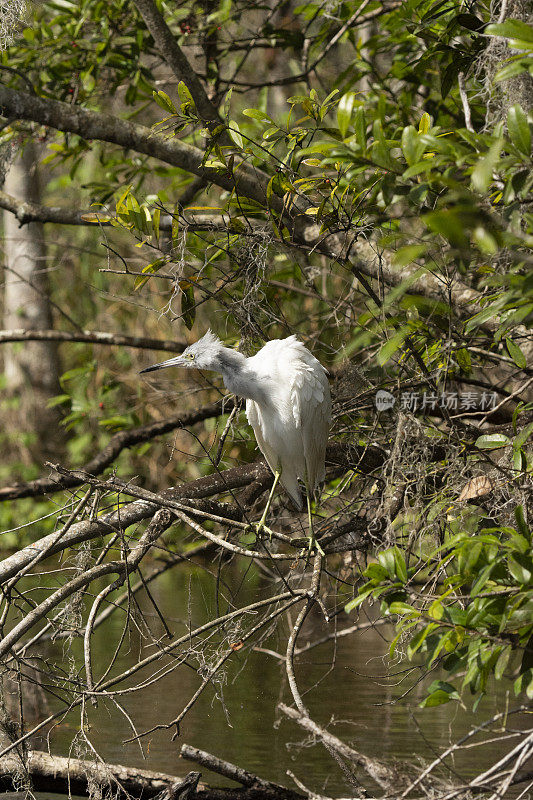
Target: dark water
x=350 y=683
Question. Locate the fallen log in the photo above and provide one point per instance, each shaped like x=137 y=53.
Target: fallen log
x=73 y=776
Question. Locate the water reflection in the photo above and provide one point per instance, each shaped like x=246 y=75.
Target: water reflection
x=347 y=685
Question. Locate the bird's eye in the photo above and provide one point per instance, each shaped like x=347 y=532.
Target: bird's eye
x=189 y=356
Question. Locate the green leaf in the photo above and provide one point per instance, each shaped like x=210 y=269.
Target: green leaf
x=479 y=318
x=413 y=145
x=418 y=640
x=58 y=400
x=375 y=572
x=521 y=522
x=163 y=100
x=400 y=567
x=437 y=698
x=521 y=567
x=523 y=436
x=484 y=576
x=518 y=128
x=397 y=607
x=515 y=353
x=386 y=559
x=519 y=32
x=449 y=223
x=425 y=123
x=360 y=128
x=235 y=133
x=436 y=610
x=408 y=254
x=491 y=441
x=156 y=218
x=187 y=103
x=345 y=111
x=357 y=601
x=391 y=347
x=255 y=114
x=87 y=80
x=463 y=359
x=511 y=70
x=188 y=306
x=483 y=171
x=501 y=663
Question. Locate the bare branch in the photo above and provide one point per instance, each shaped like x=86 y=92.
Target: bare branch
x=385 y=776
x=464 y=101
x=234 y=773
x=72 y=775
x=158 y=525
x=134 y=512
x=92 y=337
x=105 y=457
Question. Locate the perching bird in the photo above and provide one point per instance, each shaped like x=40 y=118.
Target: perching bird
x=288 y=405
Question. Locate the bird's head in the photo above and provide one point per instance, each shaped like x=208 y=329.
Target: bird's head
x=203 y=354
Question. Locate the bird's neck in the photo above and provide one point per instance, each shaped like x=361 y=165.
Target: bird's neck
x=239 y=377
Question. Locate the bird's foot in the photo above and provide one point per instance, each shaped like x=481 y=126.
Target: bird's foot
x=311 y=543
x=259 y=527
x=314 y=543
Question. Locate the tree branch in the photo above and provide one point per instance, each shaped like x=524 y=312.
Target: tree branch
x=160 y=522
x=385 y=776
x=92 y=337
x=71 y=775
x=134 y=512
x=235 y=773
x=88 y=124
x=105 y=457
x=247 y=181
x=173 y=55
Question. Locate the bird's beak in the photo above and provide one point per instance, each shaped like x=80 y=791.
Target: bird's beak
x=177 y=361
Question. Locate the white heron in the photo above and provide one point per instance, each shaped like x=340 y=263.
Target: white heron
x=288 y=405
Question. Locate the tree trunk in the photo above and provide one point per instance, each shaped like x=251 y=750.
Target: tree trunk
x=518 y=89
x=32 y=368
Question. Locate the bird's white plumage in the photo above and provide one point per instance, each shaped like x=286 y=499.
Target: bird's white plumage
x=291 y=424
x=288 y=403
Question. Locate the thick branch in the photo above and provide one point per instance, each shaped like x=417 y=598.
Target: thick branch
x=339 y=456
x=105 y=457
x=245 y=179
x=235 y=773
x=35 y=212
x=71 y=776
x=92 y=337
x=134 y=512
x=88 y=124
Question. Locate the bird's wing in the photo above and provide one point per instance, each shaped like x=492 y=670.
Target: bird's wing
x=289 y=478
x=311 y=405
x=253 y=414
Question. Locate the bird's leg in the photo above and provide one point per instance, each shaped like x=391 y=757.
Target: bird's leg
x=261 y=524
x=312 y=540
